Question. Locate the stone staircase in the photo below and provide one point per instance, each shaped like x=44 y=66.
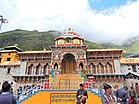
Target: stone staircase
x=66 y=81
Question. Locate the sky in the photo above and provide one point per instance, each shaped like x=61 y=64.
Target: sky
x=95 y=20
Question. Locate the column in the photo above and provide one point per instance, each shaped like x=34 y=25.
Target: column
x=96 y=69
x=104 y=69
x=100 y=68
x=108 y=68
x=46 y=69
x=19 y=79
x=91 y=68
x=112 y=70
x=27 y=70
x=34 y=70
x=41 y=70
x=24 y=79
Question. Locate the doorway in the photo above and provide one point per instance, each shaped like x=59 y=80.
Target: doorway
x=68 y=64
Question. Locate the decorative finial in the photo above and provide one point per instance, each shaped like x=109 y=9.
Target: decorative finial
x=72 y=30
x=64 y=31
x=16 y=45
x=44 y=49
x=69 y=29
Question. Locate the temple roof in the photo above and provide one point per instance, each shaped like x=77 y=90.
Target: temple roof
x=115 y=74
x=14 y=47
x=4 y=51
x=48 y=51
x=92 y=50
x=69 y=35
x=133 y=73
x=133 y=55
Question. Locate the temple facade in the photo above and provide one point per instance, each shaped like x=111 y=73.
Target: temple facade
x=69 y=55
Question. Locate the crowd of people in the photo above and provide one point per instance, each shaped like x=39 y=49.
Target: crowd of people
x=8 y=97
x=123 y=95
x=27 y=90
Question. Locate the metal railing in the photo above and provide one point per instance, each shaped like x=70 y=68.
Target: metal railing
x=64 y=84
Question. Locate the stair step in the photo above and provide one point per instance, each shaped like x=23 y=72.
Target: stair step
x=66 y=81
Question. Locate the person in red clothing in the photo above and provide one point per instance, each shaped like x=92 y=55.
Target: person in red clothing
x=107 y=97
x=132 y=96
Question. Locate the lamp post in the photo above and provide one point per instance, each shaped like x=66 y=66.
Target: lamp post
x=2 y=20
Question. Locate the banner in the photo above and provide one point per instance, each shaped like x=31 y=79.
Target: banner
x=63 y=98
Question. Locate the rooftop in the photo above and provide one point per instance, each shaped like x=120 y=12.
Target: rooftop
x=133 y=55
x=70 y=35
x=14 y=47
x=48 y=51
x=5 y=51
x=90 y=50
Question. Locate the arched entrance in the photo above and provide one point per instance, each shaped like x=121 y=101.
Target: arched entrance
x=68 y=64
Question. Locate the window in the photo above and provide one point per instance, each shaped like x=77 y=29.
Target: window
x=129 y=68
x=8 y=59
x=76 y=41
x=68 y=40
x=8 y=53
x=134 y=68
x=8 y=70
x=60 y=41
x=0 y=60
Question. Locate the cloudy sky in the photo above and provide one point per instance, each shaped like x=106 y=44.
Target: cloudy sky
x=94 y=20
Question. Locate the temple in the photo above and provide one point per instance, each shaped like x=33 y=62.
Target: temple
x=68 y=60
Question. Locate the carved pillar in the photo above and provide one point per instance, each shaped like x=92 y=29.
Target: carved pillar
x=46 y=69
x=96 y=69
x=100 y=69
x=27 y=79
x=41 y=70
x=27 y=70
x=91 y=69
x=32 y=78
x=37 y=79
x=104 y=69
x=112 y=69
x=108 y=68
x=24 y=79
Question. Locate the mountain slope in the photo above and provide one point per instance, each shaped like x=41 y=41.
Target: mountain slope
x=33 y=40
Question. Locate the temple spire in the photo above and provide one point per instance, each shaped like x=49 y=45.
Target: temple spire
x=64 y=31
x=69 y=29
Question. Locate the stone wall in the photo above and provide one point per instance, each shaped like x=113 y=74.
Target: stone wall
x=6 y=74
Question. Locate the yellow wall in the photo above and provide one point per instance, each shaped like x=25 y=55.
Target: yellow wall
x=13 y=57
x=44 y=98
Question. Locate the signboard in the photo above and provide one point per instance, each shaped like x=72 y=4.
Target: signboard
x=129 y=60
x=63 y=98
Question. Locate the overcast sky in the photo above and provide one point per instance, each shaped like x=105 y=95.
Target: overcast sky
x=94 y=20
